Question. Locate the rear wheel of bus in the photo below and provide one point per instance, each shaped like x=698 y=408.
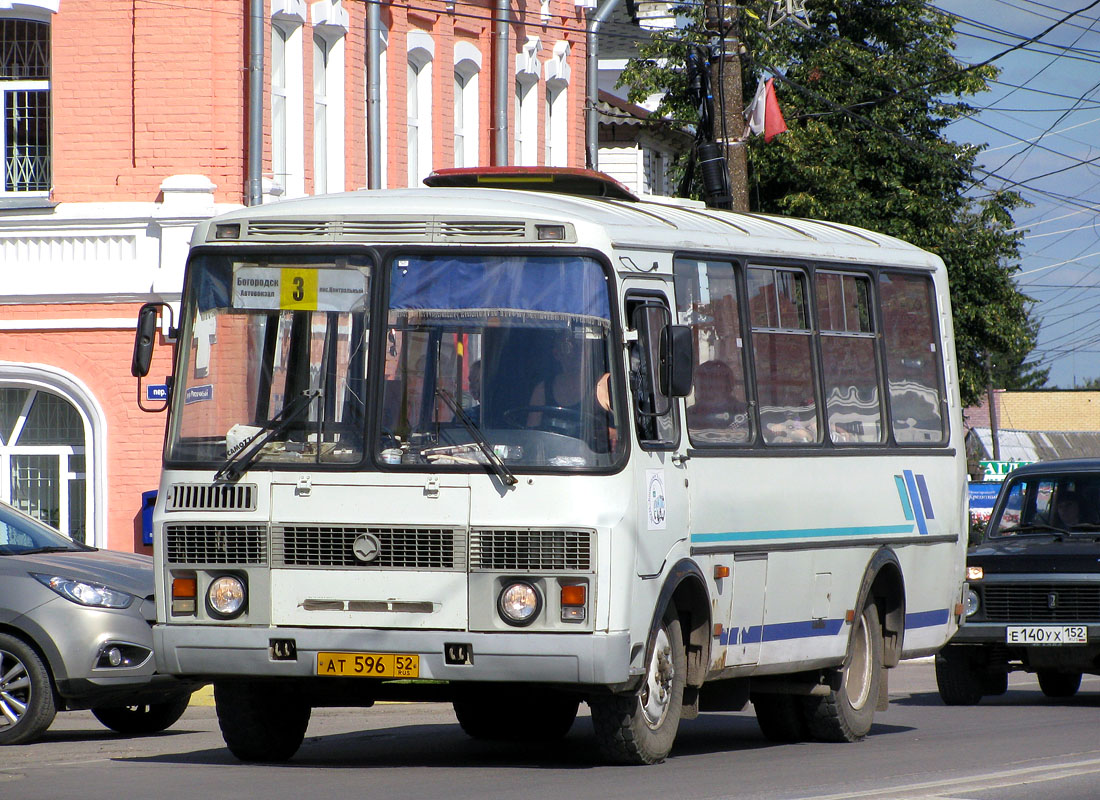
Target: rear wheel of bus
x=260 y=721
x=640 y=727
x=845 y=713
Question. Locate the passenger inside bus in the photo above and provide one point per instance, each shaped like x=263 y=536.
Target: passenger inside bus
x=719 y=403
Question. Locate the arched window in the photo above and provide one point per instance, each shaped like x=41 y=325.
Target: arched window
x=330 y=27
x=421 y=52
x=527 y=103
x=466 y=125
x=287 y=102
x=557 y=107
x=43 y=451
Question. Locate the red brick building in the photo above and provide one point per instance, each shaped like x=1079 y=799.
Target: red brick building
x=126 y=121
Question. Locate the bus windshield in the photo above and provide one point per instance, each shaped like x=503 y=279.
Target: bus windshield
x=273 y=357
x=513 y=351
x=488 y=362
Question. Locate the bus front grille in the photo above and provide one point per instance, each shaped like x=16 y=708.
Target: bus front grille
x=364 y=547
x=215 y=544
x=211 y=497
x=1042 y=602
x=531 y=550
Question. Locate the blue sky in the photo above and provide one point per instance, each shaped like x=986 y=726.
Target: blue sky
x=1041 y=124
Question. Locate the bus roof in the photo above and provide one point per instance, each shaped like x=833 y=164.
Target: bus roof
x=488 y=216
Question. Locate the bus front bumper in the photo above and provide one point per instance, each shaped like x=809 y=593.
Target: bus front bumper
x=211 y=651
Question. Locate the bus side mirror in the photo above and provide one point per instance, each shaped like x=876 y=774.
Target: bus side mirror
x=144 y=340
x=676 y=360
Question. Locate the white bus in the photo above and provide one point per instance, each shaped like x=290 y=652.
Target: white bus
x=519 y=448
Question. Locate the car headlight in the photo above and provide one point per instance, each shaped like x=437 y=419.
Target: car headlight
x=225 y=597
x=519 y=603
x=86 y=593
x=973 y=602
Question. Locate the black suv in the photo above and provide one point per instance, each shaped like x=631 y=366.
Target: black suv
x=1033 y=601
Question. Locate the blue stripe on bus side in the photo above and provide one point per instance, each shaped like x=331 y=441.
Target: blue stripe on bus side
x=927 y=619
x=798 y=533
x=786 y=631
x=925 y=498
x=903 y=495
x=914 y=495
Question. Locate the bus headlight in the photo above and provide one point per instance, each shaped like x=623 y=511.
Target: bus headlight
x=519 y=603
x=225 y=597
x=973 y=603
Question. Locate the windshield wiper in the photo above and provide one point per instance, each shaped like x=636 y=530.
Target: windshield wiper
x=53 y=548
x=1045 y=527
x=249 y=449
x=500 y=469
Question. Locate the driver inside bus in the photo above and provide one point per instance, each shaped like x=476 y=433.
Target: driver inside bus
x=564 y=401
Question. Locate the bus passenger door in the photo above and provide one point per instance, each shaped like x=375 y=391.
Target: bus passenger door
x=660 y=477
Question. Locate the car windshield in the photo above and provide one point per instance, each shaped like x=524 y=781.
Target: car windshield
x=1048 y=504
x=20 y=534
x=519 y=344
x=272 y=364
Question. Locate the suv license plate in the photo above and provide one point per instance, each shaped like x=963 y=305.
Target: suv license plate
x=368 y=665
x=1047 y=634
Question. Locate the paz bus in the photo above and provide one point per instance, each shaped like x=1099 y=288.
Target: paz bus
x=521 y=440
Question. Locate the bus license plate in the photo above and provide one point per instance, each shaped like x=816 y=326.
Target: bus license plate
x=1047 y=634
x=368 y=665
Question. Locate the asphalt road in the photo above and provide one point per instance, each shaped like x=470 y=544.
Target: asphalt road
x=1021 y=745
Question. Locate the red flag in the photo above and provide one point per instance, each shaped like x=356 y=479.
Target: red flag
x=774 y=124
x=763 y=115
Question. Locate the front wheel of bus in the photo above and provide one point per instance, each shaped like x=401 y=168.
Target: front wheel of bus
x=259 y=722
x=640 y=727
x=845 y=713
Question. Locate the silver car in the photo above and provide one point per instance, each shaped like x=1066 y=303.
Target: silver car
x=75 y=632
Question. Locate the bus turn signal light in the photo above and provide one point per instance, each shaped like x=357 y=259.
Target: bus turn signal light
x=574 y=598
x=184 y=593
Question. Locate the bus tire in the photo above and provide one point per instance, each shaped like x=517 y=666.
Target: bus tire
x=958 y=681
x=640 y=727
x=260 y=723
x=845 y=714
x=1059 y=684
x=780 y=717
x=515 y=713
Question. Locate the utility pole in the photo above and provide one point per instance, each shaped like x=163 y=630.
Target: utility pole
x=994 y=417
x=729 y=103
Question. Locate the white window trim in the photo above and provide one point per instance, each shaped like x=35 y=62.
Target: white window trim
x=33 y=11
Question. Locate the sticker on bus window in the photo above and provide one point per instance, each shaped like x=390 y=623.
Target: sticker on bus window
x=293 y=288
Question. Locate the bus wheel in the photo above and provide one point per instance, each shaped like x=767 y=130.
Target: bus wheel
x=640 y=727
x=957 y=677
x=780 y=717
x=260 y=722
x=1059 y=684
x=515 y=713
x=845 y=713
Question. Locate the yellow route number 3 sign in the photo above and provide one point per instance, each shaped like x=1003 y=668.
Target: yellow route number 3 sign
x=299 y=288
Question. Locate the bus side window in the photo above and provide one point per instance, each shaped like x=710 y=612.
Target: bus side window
x=849 y=357
x=782 y=346
x=718 y=413
x=654 y=412
x=914 y=363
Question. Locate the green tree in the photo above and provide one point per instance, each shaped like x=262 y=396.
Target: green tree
x=868 y=90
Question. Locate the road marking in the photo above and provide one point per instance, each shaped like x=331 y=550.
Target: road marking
x=971 y=783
